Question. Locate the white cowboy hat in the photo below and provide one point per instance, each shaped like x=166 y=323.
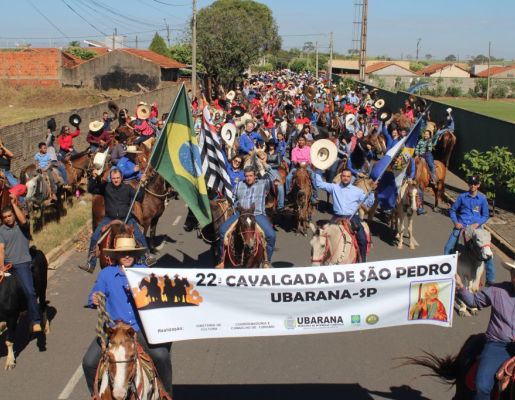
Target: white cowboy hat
x=350 y=119
x=510 y=266
x=123 y=246
x=143 y=111
x=379 y=103
x=323 y=153
x=96 y=126
x=228 y=133
x=284 y=126
x=133 y=149
x=246 y=118
x=99 y=161
x=449 y=110
x=230 y=95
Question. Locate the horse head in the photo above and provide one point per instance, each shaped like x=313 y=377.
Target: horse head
x=121 y=355
x=247 y=226
x=412 y=192
x=378 y=143
x=481 y=239
x=319 y=245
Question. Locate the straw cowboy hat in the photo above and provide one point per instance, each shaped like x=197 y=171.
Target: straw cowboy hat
x=143 y=111
x=124 y=246
x=133 y=149
x=510 y=266
x=96 y=126
x=323 y=153
x=99 y=161
x=230 y=95
x=228 y=133
x=379 y=104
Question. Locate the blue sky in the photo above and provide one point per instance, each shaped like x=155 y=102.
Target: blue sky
x=445 y=27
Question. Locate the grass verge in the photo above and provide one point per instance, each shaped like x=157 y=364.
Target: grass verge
x=496 y=108
x=54 y=233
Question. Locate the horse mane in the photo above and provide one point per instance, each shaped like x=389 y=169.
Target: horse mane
x=79 y=155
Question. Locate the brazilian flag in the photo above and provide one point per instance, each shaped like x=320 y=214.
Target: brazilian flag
x=176 y=157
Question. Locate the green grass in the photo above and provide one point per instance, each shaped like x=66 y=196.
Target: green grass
x=497 y=108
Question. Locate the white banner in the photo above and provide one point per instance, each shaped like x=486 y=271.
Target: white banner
x=181 y=304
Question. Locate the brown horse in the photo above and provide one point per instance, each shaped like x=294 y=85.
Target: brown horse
x=245 y=244
x=109 y=233
x=5 y=200
x=460 y=370
x=423 y=179
x=302 y=191
x=78 y=166
x=221 y=210
x=445 y=146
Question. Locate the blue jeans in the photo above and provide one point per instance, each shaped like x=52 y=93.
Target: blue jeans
x=431 y=164
x=138 y=235
x=492 y=357
x=451 y=245
x=23 y=274
x=10 y=177
x=62 y=170
x=280 y=196
x=263 y=222
x=63 y=153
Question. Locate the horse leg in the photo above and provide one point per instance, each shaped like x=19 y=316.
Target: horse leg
x=400 y=229
x=372 y=211
x=12 y=322
x=475 y=283
x=412 y=242
x=151 y=238
x=461 y=308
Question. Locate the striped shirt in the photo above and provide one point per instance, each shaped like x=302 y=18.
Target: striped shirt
x=246 y=195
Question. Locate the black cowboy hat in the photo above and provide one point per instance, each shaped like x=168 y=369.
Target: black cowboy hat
x=238 y=111
x=278 y=119
x=75 y=120
x=51 y=124
x=385 y=114
x=288 y=107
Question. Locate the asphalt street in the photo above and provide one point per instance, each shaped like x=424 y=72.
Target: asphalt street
x=358 y=365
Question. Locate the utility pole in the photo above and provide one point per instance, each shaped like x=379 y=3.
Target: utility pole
x=136 y=41
x=167 y=31
x=363 y=46
x=488 y=77
x=418 y=47
x=330 y=78
x=316 y=59
x=194 y=50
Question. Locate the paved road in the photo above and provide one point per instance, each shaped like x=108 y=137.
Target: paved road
x=358 y=365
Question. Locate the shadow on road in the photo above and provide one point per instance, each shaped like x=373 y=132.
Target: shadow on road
x=291 y=391
x=204 y=260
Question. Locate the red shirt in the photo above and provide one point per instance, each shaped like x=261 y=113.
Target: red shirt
x=66 y=141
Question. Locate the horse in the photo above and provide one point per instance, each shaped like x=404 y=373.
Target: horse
x=460 y=370
x=125 y=370
x=13 y=303
x=302 y=191
x=423 y=178
x=244 y=244
x=406 y=206
x=221 y=210
x=444 y=147
x=78 y=166
x=110 y=232
x=334 y=244
x=5 y=199
x=471 y=263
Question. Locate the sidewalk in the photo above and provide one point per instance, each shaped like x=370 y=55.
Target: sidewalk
x=501 y=226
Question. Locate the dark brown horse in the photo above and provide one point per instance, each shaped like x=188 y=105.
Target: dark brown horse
x=245 y=243
x=221 y=210
x=302 y=191
x=460 y=370
x=78 y=166
x=4 y=191
x=115 y=229
x=445 y=146
x=423 y=179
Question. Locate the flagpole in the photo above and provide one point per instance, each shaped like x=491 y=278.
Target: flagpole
x=152 y=154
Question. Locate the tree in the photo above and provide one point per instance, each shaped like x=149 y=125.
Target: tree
x=83 y=54
x=352 y=52
x=450 y=57
x=181 y=52
x=428 y=56
x=495 y=168
x=158 y=46
x=74 y=43
x=300 y=65
x=480 y=59
x=308 y=48
x=233 y=34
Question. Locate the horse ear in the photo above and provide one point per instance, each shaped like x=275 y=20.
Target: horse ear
x=131 y=332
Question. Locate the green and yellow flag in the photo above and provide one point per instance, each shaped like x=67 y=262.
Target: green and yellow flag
x=176 y=157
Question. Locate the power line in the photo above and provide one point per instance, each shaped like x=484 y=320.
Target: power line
x=84 y=19
x=171 y=5
x=129 y=18
x=47 y=19
x=97 y=12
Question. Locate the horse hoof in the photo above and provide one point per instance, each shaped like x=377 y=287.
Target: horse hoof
x=47 y=328
x=10 y=365
x=436 y=209
x=412 y=247
x=474 y=312
x=463 y=313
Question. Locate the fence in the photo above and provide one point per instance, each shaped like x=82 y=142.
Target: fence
x=23 y=138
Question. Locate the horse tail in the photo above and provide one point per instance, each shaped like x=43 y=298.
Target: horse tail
x=445 y=368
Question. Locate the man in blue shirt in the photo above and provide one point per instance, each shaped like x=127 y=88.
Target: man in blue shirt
x=44 y=163
x=346 y=201
x=128 y=164
x=470 y=208
x=112 y=282
x=249 y=138
x=250 y=192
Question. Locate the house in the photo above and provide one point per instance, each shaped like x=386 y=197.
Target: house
x=388 y=68
x=498 y=72
x=124 y=68
x=444 y=71
x=351 y=67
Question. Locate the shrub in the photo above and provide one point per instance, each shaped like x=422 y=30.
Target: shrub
x=453 y=91
x=83 y=54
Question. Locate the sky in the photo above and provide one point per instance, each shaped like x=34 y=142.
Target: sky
x=459 y=27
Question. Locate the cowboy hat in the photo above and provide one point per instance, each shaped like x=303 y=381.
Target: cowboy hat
x=143 y=111
x=510 y=266
x=124 y=246
x=284 y=126
x=99 y=161
x=228 y=133
x=323 y=153
x=75 y=120
x=379 y=103
x=246 y=118
x=449 y=110
x=96 y=126
x=230 y=95
x=133 y=149
x=238 y=111
x=385 y=115
x=350 y=119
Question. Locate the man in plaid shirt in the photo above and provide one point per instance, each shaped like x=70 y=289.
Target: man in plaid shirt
x=252 y=191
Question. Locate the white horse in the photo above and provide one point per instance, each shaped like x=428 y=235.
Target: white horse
x=406 y=207
x=333 y=244
x=471 y=263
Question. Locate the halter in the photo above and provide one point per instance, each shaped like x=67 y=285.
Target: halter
x=328 y=247
x=232 y=250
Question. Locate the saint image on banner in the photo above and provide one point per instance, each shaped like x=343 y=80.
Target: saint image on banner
x=428 y=305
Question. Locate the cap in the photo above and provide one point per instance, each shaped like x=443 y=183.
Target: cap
x=474 y=180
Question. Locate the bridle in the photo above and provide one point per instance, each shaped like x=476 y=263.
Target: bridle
x=241 y=233
x=328 y=247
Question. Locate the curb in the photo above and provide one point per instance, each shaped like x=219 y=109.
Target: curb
x=499 y=242
x=57 y=252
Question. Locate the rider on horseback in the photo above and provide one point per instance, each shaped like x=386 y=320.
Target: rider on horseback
x=470 y=208
x=424 y=149
x=250 y=192
x=301 y=155
x=500 y=337
x=113 y=283
x=346 y=201
x=128 y=164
